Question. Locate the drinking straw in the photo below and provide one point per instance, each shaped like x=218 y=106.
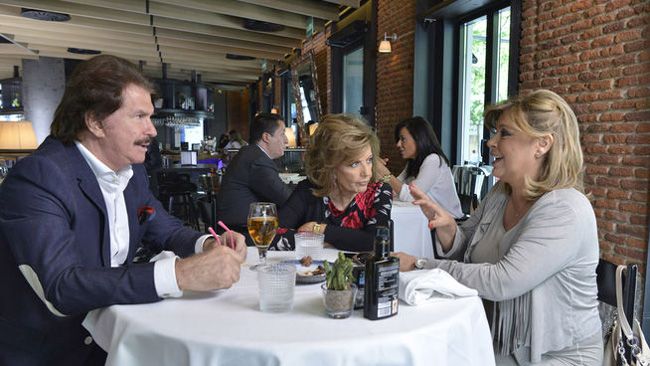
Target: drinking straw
x=214 y=235
x=220 y=223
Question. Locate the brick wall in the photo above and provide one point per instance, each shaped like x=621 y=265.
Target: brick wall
x=394 y=99
x=394 y=75
x=596 y=55
x=593 y=53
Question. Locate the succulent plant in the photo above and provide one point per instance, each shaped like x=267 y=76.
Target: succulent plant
x=339 y=275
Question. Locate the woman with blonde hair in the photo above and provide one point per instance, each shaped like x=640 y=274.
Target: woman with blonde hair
x=531 y=248
x=341 y=197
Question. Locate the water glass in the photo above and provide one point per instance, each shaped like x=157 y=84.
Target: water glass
x=309 y=244
x=277 y=283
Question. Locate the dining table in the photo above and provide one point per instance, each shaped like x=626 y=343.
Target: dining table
x=411 y=232
x=226 y=327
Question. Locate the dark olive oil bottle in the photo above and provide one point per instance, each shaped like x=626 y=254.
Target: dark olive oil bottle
x=381 y=279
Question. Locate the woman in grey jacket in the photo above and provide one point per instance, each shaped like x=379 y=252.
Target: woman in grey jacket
x=531 y=249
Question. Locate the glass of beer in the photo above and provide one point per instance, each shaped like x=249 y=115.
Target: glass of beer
x=262 y=224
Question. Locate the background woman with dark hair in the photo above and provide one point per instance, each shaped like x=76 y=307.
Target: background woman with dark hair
x=427 y=166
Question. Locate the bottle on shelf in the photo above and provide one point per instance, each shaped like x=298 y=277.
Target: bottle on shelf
x=381 y=279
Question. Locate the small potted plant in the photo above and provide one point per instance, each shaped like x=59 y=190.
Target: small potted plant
x=339 y=290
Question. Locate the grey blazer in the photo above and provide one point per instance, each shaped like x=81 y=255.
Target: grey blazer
x=250 y=177
x=553 y=255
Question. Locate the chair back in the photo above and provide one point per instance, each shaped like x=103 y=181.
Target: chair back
x=606 y=281
x=470 y=181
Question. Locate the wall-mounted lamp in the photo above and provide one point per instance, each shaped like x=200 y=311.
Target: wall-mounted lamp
x=384 y=46
x=17 y=136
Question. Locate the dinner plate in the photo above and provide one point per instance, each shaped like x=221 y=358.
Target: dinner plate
x=304 y=273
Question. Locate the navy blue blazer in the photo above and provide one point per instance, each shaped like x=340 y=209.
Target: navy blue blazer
x=54 y=230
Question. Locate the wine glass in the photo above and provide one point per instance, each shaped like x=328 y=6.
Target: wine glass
x=262 y=225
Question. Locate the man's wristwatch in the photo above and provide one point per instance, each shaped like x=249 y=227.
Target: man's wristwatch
x=420 y=263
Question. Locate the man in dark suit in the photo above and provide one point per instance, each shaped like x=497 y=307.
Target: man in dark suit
x=73 y=214
x=252 y=176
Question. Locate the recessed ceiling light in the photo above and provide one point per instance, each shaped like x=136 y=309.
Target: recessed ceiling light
x=83 y=51
x=261 y=26
x=49 y=16
x=232 y=56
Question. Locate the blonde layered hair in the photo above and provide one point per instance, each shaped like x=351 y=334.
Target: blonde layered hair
x=339 y=139
x=540 y=114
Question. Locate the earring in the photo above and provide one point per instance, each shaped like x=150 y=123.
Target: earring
x=537 y=155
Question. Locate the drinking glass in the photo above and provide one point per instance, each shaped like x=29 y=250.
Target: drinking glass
x=277 y=283
x=262 y=225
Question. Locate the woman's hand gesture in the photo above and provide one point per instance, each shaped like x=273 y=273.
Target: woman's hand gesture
x=439 y=218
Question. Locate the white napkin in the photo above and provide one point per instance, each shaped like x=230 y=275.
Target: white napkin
x=416 y=287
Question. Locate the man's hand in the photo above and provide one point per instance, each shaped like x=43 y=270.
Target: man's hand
x=230 y=239
x=236 y=241
x=216 y=268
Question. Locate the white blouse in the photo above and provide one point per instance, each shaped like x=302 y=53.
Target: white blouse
x=436 y=180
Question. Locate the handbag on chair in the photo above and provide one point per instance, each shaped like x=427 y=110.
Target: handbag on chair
x=626 y=345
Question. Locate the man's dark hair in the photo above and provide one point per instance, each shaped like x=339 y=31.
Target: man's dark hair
x=95 y=87
x=264 y=122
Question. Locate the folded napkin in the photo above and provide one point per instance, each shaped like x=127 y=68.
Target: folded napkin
x=416 y=287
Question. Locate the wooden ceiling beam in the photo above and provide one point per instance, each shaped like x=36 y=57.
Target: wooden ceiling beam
x=216 y=69
x=183 y=13
x=244 y=10
x=135 y=6
x=74 y=35
x=203 y=47
x=351 y=3
x=220 y=41
x=316 y=9
x=221 y=73
x=135 y=49
x=11 y=15
x=81 y=10
x=202 y=61
x=38 y=45
x=67 y=31
x=12 y=49
x=212 y=30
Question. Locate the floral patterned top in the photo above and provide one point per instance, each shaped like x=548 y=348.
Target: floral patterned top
x=350 y=229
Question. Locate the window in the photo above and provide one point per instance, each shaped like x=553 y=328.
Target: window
x=484 y=56
x=353 y=81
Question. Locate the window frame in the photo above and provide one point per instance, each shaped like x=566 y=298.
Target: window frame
x=437 y=64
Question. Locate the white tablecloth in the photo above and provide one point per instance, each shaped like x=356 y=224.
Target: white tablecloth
x=227 y=328
x=410 y=230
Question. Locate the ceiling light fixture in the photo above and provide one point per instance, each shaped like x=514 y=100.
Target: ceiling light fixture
x=233 y=56
x=262 y=26
x=48 y=16
x=83 y=51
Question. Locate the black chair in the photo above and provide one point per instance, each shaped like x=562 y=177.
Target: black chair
x=207 y=210
x=606 y=281
x=176 y=192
